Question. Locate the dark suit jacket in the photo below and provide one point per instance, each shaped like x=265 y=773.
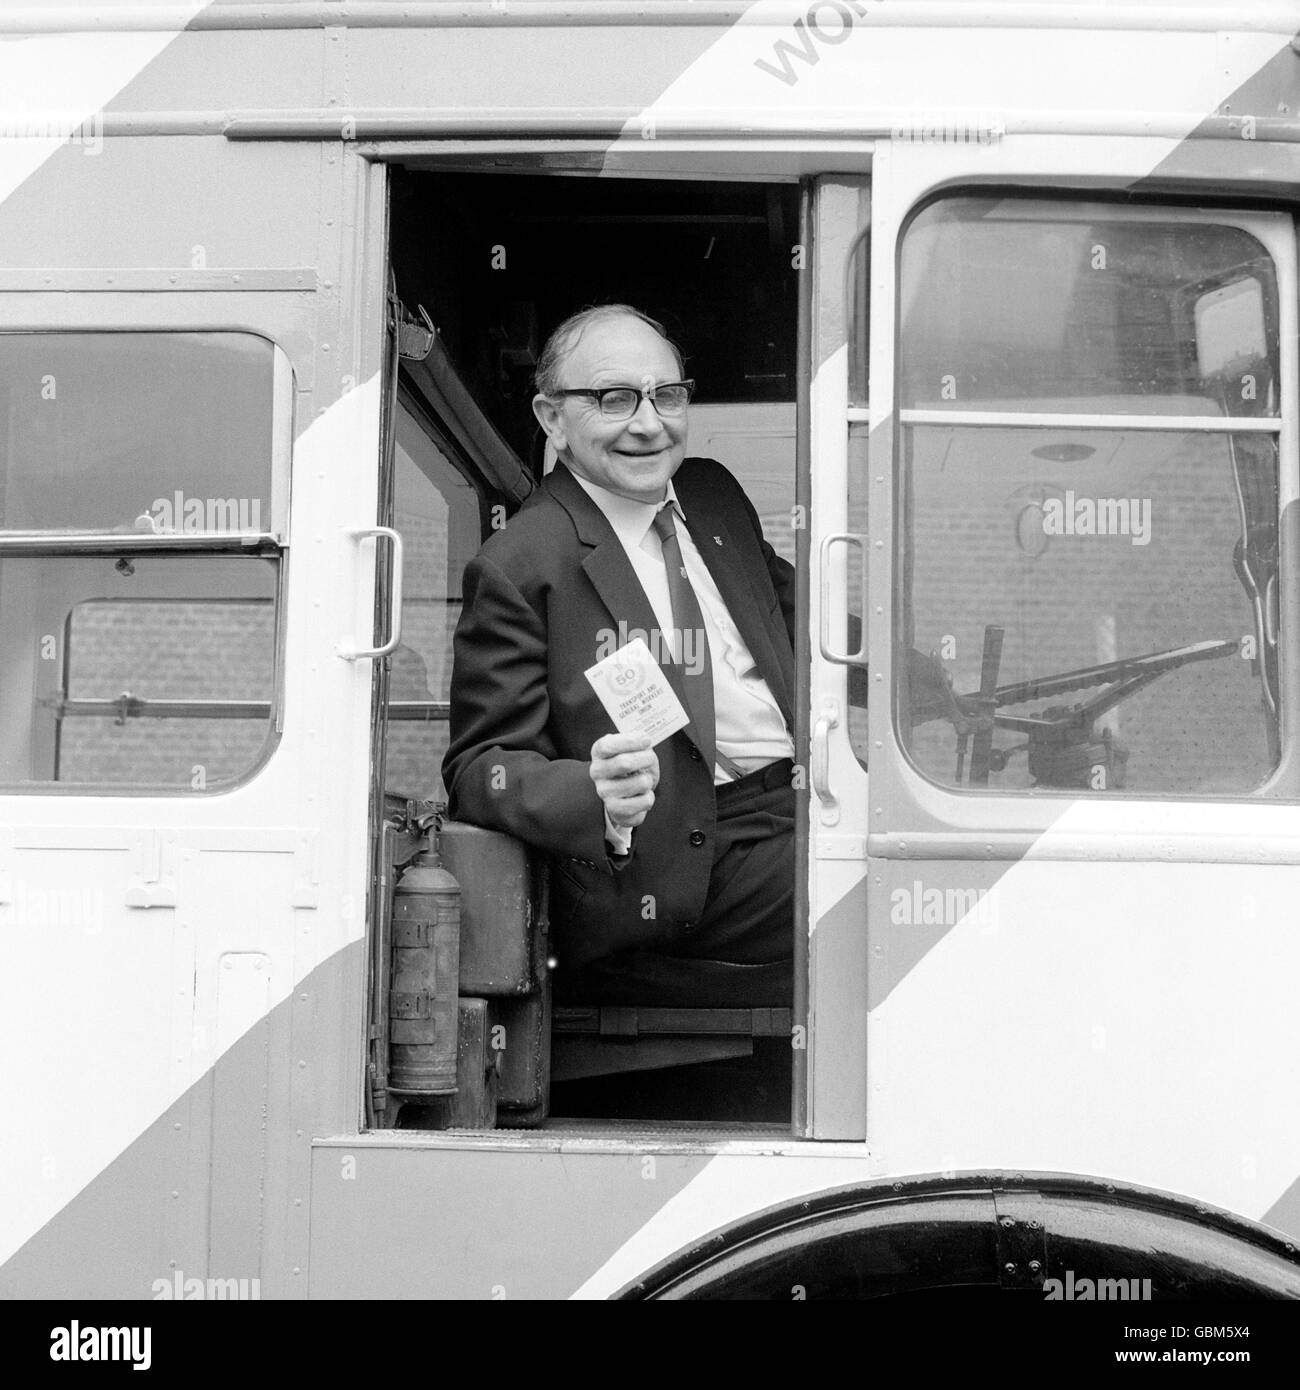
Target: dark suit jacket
x=541 y=600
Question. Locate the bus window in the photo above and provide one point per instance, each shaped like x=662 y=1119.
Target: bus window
x=149 y=681
x=172 y=692
x=104 y=428
x=435 y=511
x=1088 y=458
x=143 y=481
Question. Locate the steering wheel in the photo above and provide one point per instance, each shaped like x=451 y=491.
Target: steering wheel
x=1062 y=744
x=1126 y=676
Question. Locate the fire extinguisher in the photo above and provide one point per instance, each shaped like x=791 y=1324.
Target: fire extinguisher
x=422 y=999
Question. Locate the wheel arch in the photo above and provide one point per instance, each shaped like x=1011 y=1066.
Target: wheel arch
x=992 y=1232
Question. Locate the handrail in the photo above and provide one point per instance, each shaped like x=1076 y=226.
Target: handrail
x=136 y=542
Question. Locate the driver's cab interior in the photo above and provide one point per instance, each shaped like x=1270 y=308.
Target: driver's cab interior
x=483 y=267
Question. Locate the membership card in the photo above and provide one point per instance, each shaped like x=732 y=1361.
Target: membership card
x=635 y=692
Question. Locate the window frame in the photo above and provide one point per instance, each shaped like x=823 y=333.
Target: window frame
x=272 y=544
x=1276 y=230
x=424 y=416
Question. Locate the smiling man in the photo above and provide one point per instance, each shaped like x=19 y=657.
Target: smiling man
x=673 y=867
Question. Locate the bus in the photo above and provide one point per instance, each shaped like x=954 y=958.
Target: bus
x=992 y=311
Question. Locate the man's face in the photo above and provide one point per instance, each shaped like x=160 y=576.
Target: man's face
x=636 y=457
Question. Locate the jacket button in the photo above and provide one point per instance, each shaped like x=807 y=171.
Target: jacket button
x=697 y=837
x=696 y=754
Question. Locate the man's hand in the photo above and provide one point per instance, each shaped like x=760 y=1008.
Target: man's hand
x=625 y=769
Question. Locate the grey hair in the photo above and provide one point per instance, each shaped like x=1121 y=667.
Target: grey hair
x=565 y=338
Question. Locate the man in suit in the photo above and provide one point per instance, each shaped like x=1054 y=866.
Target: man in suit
x=672 y=866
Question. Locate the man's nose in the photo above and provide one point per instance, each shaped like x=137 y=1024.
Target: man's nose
x=646 y=417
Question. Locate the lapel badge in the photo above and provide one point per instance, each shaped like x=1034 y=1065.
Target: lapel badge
x=717 y=540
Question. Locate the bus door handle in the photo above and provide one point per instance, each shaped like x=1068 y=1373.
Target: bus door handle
x=859 y=657
x=348 y=648
x=821 y=762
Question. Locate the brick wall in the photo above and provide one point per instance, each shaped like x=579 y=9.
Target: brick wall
x=1198 y=729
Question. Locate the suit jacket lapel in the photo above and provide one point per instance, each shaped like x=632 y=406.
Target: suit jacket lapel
x=725 y=563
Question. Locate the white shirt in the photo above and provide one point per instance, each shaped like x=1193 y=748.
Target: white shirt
x=748 y=725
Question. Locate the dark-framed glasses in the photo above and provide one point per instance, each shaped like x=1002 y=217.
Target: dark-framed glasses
x=623 y=402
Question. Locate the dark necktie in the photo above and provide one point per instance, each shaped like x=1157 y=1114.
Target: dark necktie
x=694 y=650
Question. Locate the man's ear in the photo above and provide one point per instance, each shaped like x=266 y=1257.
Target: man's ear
x=549 y=417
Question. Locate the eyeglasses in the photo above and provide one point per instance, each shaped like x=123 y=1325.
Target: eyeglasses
x=623 y=402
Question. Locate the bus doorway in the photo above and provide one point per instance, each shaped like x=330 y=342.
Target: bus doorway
x=485 y=266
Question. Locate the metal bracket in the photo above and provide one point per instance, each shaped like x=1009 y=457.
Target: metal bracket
x=306 y=877
x=155 y=883
x=1022 y=1239
x=414 y=339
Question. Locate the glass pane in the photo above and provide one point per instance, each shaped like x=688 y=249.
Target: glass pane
x=756 y=443
x=436 y=513
x=855 y=560
x=1143 y=559
x=859 y=311
x=101 y=429
x=155 y=672
x=1017 y=305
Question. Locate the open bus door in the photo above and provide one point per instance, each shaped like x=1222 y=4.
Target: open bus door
x=454 y=478
x=446 y=477
x=838 y=624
